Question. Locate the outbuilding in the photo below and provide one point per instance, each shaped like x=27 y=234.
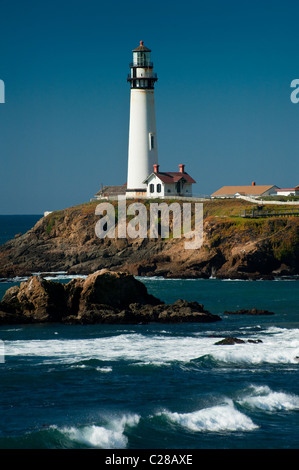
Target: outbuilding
x=168 y=184
x=253 y=190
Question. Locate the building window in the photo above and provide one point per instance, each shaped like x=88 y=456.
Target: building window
x=152 y=188
x=159 y=188
x=151 y=141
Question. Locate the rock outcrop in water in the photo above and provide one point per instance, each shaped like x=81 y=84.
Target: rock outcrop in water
x=103 y=297
x=252 y=311
x=230 y=340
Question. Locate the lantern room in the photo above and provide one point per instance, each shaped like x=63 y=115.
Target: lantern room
x=142 y=56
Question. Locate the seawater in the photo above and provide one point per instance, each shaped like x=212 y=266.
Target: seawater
x=158 y=386
x=11 y=225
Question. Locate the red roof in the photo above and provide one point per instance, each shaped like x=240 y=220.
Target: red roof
x=141 y=48
x=173 y=177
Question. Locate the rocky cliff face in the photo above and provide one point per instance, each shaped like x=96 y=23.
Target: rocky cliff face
x=232 y=248
x=103 y=297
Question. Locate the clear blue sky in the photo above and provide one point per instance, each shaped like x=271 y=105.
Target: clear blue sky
x=222 y=99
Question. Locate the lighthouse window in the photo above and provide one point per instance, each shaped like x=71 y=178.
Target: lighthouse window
x=151 y=141
x=158 y=188
x=152 y=188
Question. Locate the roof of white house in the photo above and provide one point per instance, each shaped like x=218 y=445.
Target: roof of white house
x=292 y=189
x=171 y=176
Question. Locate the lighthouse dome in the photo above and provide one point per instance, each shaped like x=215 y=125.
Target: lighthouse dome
x=142 y=48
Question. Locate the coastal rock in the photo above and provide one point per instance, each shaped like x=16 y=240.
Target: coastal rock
x=103 y=297
x=230 y=340
x=178 y=312
x=253 y=311
x=37 y=300
x=233 y=248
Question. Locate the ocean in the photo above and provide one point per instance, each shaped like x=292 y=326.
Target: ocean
x=156 y=386
x=11 y=225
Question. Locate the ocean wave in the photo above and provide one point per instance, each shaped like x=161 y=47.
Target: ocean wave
x=14 y=279
x=111 y=436
x=264 y=399
x=278 y=346
x=221 y=418
x=253 y=357
x=104 y=369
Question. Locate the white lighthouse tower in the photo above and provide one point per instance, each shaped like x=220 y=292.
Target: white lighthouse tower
x=143 y=152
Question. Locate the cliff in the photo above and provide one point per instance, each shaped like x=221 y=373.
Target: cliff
x=233 y=247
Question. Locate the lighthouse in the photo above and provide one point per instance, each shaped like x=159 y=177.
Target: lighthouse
x=142 y=151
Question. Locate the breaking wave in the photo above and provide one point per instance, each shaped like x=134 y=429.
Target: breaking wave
x=111 y=436
x=221 y=418
x=264 y=399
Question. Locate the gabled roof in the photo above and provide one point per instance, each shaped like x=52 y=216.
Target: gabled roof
x=252 y=190
x=112 y=190
x=171 y=177
x=292 y=189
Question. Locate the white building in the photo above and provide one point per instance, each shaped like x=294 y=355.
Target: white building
x=288 y=192
x=167 y=184
x=142 y=152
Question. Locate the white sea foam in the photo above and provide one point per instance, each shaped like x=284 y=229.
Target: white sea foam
x=221 y=418
x=104 y=369
x=13 y=279
x=49 y=276
x=264 y=399
x=279 y=346
x=104 y=437
x=42 y=273
x=63 y=277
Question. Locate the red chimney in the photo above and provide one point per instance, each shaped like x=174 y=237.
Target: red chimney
x=253 y=183
x=182 y=168
x=156 y=168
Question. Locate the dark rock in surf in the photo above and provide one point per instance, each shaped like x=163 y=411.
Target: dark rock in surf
x=103 y=297
x=230 y=340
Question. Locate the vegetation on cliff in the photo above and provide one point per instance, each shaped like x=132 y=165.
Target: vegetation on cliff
x=233 y=247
